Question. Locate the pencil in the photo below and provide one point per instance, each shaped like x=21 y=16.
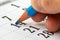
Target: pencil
x=30 y=11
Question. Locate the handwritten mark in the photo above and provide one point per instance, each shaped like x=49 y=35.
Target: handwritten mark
x=15 y=5
x=29 y=30
x=7 y=18
x=34 y=27
x=15 y=25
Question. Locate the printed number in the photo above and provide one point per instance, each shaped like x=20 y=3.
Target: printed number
x=24 y=8
x=7 y=18
x=34 y=27
x=15 y=5
x=46 y=32
x=43 y=35
x=31 y=27
x=22 y=23
x=15 y=25
x=29 y=30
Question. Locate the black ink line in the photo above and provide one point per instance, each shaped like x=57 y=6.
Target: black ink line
x=15 y=25
x=43 y=35
x=7 y=18
x=15 y=5
x=29 y=30
x=34 y=27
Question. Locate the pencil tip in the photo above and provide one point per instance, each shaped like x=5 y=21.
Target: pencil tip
x=17 y=23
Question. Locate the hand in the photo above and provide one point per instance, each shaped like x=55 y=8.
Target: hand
x=53 y=20
x=52 y=23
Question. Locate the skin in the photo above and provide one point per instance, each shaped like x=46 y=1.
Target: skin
x=53 y=21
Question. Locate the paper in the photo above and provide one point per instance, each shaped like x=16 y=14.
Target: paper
x=28 y=30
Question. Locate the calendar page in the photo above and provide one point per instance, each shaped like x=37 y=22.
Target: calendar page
x=28 y=29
